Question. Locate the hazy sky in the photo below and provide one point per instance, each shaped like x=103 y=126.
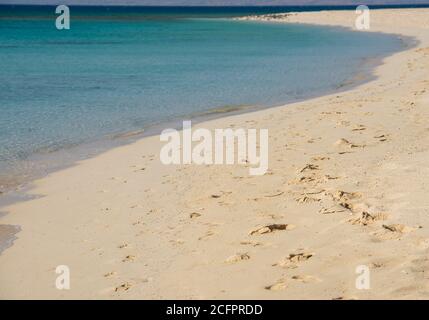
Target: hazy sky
x=217 y=2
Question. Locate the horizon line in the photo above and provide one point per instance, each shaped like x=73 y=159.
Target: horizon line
x=214 y=6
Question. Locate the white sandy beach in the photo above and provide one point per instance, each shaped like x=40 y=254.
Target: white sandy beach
x=348 y=176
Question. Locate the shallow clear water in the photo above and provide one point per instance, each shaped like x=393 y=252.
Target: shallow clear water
x=107 y=76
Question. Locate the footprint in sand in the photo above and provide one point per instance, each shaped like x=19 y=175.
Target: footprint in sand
x=320 y=158
x=377 y=265
x=279 y=285
x=392 y=231
x=109 y=274
x=208 y=234
x=344 y=199
x=136 y=206
x=305 y=278
x=340 y=195
x=346 y=143
x=331 y=210
x=294 y=259
x=251 y=243
x=177 y=242
x=381 y=137
x=271 y=228
x=123 y=287
x=135 y=223
x=345 y=298
x=399 y=228
x=309 y=167
x=220 y=194
x=359 y=127
x=329 y=177
x=237 y=258
x=129 y=258
x=276 y=194
x=303 y=179
x=307 y=199
x=194 y=215
x=366 y=218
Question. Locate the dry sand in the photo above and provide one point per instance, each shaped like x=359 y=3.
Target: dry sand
x=124 y=223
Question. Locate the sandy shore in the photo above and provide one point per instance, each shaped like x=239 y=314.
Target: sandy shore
x=348 y=176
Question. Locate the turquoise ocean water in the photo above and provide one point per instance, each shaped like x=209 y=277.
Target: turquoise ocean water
x=120 y=70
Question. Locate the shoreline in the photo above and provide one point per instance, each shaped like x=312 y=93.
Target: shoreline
x=44 y=163
x=128 y=234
